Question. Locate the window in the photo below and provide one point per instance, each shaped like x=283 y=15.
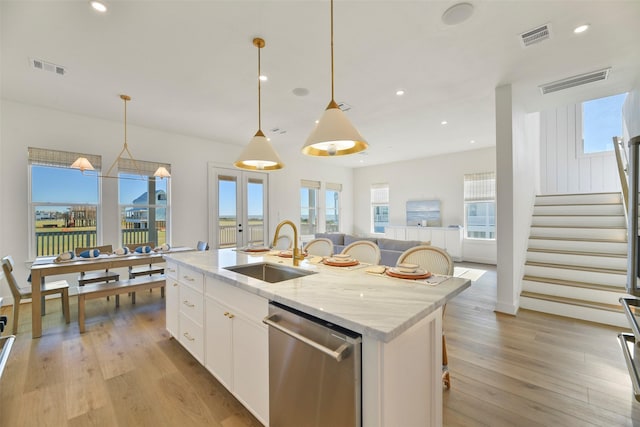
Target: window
x=379 y=207
x=332 y=207
x=480 y=205
x=63 y=203
x=601 y=121
x=143 y=218
x=309 y=207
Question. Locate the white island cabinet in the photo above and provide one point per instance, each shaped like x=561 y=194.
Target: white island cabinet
x=237 y=347
x=400 y=322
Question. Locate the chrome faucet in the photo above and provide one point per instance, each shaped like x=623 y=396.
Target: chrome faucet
x=297 y=255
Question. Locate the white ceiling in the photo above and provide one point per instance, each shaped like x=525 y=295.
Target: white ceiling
x=190 y=66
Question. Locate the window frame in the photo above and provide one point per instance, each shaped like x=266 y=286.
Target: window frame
x=143 y=170
x=44 y=157
x=315 y=187
x=480 y=194
x=580 y=123
x=337 y=211
x=378 y=204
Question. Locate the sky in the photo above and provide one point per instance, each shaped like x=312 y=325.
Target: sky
x=602 y=120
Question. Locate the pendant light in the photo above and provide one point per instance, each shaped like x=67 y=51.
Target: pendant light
x=259 y=153
x=83 y=164
x=334 y=135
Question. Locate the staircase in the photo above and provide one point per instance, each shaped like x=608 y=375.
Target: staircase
x=576 y=262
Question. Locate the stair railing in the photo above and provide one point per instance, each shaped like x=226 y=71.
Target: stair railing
x=632 y=216
x=623 y=163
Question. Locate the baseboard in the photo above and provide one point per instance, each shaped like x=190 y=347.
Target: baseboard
x=511 y=309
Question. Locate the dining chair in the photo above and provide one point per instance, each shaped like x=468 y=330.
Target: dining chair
x=59 y=287
x=146 y=270
x=364 y=251
x=284 y=242
x=438 y=261
x=319 y=246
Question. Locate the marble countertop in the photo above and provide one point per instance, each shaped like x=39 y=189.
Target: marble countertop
x=373 y=305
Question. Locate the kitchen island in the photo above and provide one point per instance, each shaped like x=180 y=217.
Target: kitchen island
x=217 y=315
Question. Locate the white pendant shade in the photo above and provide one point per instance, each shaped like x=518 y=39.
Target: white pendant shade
x=162 y=172
x=83 y=164
x=259 y=155
x=334 y=135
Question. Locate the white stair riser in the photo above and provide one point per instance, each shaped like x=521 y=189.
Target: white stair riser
x=584 y=294
x=575 y=312
x=593 y=277
x=619 y=234
x=568 y=199
x=618 y=248
x=616 y=209
x=579 y=221
x=578 y=260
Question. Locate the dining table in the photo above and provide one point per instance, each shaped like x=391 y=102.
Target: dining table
x=45 y=266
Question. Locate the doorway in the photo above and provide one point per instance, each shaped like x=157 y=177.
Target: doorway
x=238 y=209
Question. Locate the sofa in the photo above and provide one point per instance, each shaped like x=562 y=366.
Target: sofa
x=390 y=249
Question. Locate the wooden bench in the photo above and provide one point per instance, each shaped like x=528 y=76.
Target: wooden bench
x=99 y=290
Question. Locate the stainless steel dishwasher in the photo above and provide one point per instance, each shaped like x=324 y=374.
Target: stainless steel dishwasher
x=314 y=371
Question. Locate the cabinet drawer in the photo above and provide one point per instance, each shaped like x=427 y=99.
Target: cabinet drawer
x=191 y=304
x=250 y=305
x=191 y=277
x=171 y=270
x=192 y=337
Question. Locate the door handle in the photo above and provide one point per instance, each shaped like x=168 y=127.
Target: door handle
x=338 y=354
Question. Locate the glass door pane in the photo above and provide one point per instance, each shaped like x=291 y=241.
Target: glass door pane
x=239 y=209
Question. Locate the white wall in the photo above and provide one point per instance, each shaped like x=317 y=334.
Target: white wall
x=439 y=177
x=22 y=126
x=564 y=168
x=631 y=114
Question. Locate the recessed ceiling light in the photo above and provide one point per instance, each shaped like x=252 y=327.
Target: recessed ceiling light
x=269 y=139
x=581 y=28
x=300 y=91
x=99 y=6
x=444 y=122
x=400 y=92
x=473 y=141
x=263 y=78
x=317 y=121
x=457 y=14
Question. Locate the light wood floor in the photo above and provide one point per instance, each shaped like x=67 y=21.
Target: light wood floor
x=528 y=370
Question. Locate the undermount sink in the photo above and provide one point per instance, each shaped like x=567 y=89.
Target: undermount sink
x=271 y=273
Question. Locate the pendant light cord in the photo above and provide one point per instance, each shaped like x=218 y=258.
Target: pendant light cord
x=332 y=99
x=259 y=96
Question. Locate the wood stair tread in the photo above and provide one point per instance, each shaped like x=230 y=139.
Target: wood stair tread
x=579 y=268
x=575 y=284
x=580 y=253
x=596 y=227
x=573 y=301
x=578 y=239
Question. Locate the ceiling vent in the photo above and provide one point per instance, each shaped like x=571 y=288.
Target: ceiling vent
x=278 y=130
x=39 y=64
x=344 y=106
x=594 y=76
x=536 y=35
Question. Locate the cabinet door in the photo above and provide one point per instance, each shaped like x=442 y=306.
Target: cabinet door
x=251 y=365
x=218 y=327
x=454 y=243
x=172 y=299
x=438 y=239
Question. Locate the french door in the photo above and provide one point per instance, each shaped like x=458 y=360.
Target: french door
x=238 y=213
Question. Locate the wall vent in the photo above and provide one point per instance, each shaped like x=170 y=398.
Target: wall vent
x=574 y=81
x=536 y=35
x=39 y=64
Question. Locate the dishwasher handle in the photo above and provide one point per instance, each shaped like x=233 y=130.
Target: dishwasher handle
x=338 y=354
